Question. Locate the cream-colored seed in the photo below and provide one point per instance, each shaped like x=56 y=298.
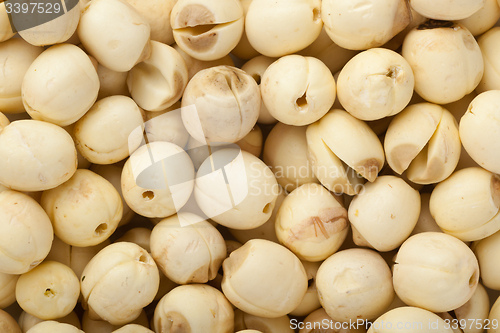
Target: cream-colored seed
x=199 y=307
x=27 y=321
x=429 y=261
x=26 y=233
x=159 y=81
x=479 y=134
x=54 y=327
x=249 y=199
x=207 y=30
x=157 y=13
x=354 y=284
x=17 y=56
x=48 y=291
x=118 y=282
x=115 y=33
x=374 y=84
x=108 y=132
x=447 y=9
x=484 y=19
x=200 y=245
x=467 y=204
x=153 y=185
x=60 y=86
x=358 y=25
x=58 y=30
x=487 y=251
x=413 y=315
x=449 y=67
x=489 y=43
x=7 y=289
x=423 y=140
x=37 y=156
x=253 y=323
x=288 y=26
x=260 y=274
x=256 y=68
x=312 y=223
x=85 y=210
x=353 y=142
x=285 y=152
x=384 y=224
x=220 y=105
x=298 y=90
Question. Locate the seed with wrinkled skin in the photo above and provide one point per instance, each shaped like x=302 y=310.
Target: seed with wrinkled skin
x=119 y=281
x=311 y=223
x=220 y=105
x=354 y=284
x=194 y=308
x=200 y=245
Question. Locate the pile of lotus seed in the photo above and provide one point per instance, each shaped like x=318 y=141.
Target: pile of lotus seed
x=250 y=166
